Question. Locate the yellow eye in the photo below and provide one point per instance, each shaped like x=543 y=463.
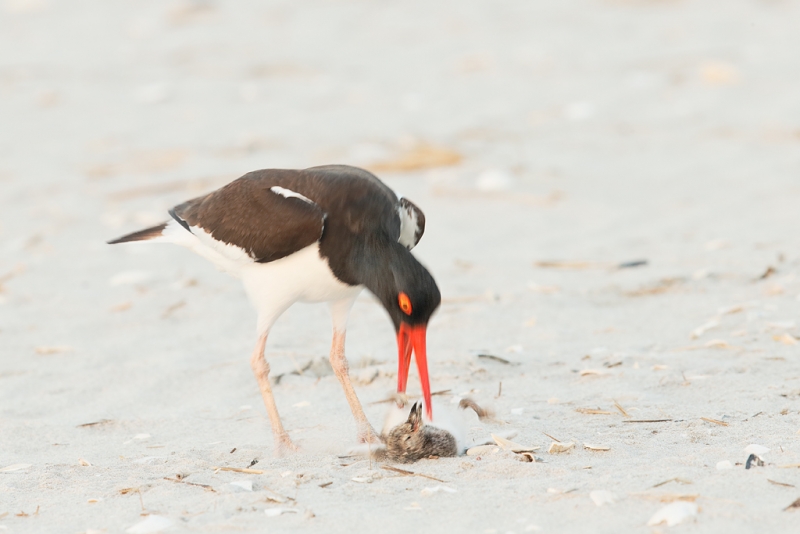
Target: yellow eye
x=405 y=303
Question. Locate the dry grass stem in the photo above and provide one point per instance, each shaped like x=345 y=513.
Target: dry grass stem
x=675 y=479
x=410 y=473
x=240 y=470
x=715 y=421
x=647 y=420
x=551 y=437
x=95 y=423
x=795 y=504
x=496 y=359
x=180 y=481
x=592 y=411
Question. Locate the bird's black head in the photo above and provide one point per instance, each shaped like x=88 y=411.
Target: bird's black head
x=410 y=295
x=413 y=295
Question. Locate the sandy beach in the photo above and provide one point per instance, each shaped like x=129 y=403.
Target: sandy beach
x=612 y=194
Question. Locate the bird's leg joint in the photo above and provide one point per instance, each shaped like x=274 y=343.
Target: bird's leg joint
x=337 y=358
x=258 y=362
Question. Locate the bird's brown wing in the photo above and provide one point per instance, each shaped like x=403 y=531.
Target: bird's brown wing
x=266 y=221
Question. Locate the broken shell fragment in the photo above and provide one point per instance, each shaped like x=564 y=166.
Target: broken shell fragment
x=700 y=330
x=557 y=447
x=528 y=457
x=152 y=523
x=718 y=344
x=481 y=449
x=753 y=460
x=242 y=485
x=601 y=497
x=592 y=447
x=14 y=467
x=435 y=489
x=509 y=445
x=756 y=449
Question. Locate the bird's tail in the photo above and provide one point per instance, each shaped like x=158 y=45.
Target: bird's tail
x=141 y=235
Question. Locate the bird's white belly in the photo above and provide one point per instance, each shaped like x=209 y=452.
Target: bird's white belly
x=303 y=276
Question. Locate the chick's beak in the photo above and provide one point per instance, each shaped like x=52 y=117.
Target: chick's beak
x=412 y=338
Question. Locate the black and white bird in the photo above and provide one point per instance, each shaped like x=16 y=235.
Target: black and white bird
x=316 y=235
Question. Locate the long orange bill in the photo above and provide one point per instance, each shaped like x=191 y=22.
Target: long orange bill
x=412 y=338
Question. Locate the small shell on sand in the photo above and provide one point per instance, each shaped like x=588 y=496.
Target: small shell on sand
x=153 y=523
x=14 y=467
x=557 y=447
x=242 y=485
x=593 y=447
x=674 y=513
x=275 y=512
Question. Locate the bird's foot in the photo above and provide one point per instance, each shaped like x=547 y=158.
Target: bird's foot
x=369 y=436
x=400 y=400
x=284 y=446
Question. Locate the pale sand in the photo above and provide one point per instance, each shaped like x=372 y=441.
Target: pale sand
x=616 y=130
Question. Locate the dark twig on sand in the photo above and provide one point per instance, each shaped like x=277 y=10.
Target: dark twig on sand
x=181 y=481
x=647 y=421
x=410 y=473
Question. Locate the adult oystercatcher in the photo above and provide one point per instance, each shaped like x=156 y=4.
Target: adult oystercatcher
x=315 y=235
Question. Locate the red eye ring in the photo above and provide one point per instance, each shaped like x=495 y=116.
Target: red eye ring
x=405 y=303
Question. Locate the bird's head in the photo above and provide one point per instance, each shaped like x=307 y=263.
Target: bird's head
x=410 y=295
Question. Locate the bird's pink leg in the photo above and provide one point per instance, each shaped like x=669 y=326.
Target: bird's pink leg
x=283 y=443
x=340 y=367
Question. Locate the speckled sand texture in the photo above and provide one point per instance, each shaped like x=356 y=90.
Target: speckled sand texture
x=591 y=132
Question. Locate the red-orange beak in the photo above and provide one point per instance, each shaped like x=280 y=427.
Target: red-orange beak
x=413 y=338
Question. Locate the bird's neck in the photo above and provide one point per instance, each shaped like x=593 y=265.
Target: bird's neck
x=381 y=264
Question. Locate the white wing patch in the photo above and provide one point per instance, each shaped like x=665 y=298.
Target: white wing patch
x=288 y=193
x=224 y=256
x=231 y=252
x=409 y=226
